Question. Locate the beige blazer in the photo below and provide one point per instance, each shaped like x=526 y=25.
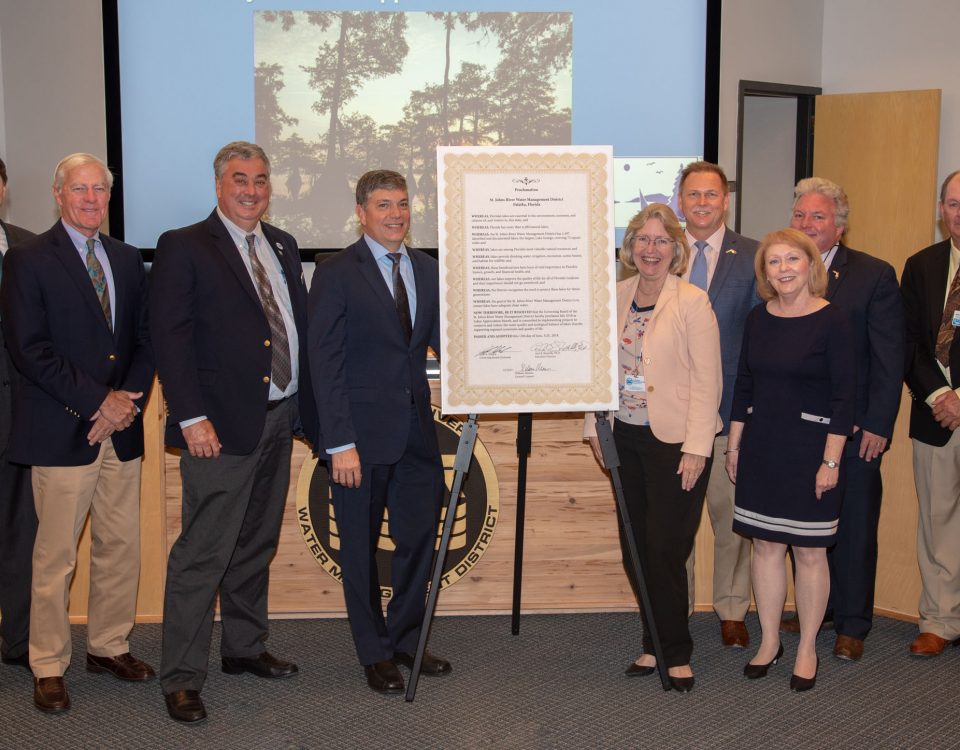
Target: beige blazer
x=681 y=365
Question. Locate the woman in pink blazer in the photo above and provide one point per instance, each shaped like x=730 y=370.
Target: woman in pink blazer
x=670 y=383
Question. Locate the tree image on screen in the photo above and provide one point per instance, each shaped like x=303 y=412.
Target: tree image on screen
x=338 y=93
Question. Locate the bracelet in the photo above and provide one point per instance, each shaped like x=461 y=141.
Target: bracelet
x=731 y=450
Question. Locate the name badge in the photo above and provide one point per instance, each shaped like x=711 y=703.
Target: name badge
x=636 y=383
x=956 y=318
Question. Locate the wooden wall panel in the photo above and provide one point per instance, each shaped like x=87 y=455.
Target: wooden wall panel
x=883 y=149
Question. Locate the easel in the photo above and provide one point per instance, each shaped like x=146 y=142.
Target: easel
x=611 y=460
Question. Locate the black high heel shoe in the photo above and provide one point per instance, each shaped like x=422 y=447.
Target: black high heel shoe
x=756 y=671
x=681 y=684
x=635 y=670
x=801 y=684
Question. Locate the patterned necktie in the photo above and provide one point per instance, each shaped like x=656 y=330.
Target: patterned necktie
x=280 y=368
x=698 y=273
x=400 y=296
x=945 y=334
x=99 y=280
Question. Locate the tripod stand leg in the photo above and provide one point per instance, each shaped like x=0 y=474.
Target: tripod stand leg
x=468 y=438
x=524 y=441
x=612 y=461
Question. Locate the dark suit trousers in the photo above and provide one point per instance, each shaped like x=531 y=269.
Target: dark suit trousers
x=665 y=519
x=232 y=511
x=411 y=490
x=18 y=529
x=853 y=560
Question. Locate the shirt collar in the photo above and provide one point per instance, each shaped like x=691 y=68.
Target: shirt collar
x=713 y=241
x=79 y=240
x=378 y=250
x=240 y=235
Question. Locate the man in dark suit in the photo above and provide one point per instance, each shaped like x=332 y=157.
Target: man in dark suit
x=721 y=263
x=374 y=309
x=866 y=288
x=74 y=314
x=931 y=301
x=228 y=319
x=18 y=519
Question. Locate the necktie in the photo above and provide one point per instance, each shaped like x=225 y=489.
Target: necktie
x=400 y=296
x=698 y=273
x=945 y=334
x=99 y=280
x=281 y=370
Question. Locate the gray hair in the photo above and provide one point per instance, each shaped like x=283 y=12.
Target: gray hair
x=238 y=150
x=378 y=179
x=828 y=189
x=75 y=161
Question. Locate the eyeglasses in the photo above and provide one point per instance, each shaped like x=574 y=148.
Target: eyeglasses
x=661 y=243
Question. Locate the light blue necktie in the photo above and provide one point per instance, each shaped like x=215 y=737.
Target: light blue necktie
x=698 y=273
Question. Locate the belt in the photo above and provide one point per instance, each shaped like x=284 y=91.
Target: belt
x=271 y=405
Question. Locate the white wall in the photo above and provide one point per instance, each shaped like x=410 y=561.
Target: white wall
x=889 y=45
x=51 y=64
x=777 y=41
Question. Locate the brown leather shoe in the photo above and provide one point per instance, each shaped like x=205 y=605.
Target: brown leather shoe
x=50 y=694
x=734 y=633
x=430 y=665
x=928 y=644
x=123 y=667
x=185 y=706
x=848 y=648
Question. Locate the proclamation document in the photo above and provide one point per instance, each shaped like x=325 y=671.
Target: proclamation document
x=527 y=279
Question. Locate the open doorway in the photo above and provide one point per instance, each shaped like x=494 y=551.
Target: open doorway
x=774 y=151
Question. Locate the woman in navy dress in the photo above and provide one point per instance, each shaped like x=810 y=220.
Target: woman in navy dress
x=793 y=409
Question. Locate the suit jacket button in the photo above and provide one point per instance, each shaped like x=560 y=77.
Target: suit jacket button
x=646 y=360
x=266 y=342
x=649 y=389
x=112 y=357
x=266 y=379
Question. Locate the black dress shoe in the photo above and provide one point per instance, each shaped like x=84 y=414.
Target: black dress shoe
x=185 y=706
x=430 y=665
x=123 y=667
x=23 y=660
x=801 y=684
x=50 y=694
x=681 y=684
x=384 y=677
x=756 y=671
x=635 y=670
x=264 y=665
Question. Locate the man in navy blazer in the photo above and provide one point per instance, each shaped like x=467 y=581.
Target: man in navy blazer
x=228 y=318
x=374 y=309
x=728 y=278
x=929 y=286
x=74 y=315
x=18 y=519
x=866 y=288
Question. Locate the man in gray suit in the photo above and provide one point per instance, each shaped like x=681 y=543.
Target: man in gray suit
x=721 y=263
x=18 y=519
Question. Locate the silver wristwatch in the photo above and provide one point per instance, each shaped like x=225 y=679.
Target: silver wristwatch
x=830 y=463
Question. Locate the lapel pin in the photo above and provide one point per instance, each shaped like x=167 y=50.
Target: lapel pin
x=731 y=251
x=836 y=274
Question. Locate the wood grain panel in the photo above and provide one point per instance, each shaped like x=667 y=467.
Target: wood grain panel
x=883 y=149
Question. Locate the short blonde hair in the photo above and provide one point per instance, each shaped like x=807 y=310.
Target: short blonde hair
x=817 y=280
x=681 y=250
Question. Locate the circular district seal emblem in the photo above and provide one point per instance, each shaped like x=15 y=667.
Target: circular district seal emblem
x=476 y=516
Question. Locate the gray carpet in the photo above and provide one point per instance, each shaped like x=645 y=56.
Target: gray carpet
x=559 y=684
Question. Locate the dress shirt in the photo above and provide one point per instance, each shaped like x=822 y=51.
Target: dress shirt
x=711 y=252
x=951 y=272
x=386 y=270
x=278 y=282
x=828 y=256
x=385 y=265
x=80 y=243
